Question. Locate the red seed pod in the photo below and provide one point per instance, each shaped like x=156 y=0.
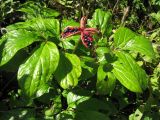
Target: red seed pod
x=87 y=39
x=69 y=31
x=83 y=22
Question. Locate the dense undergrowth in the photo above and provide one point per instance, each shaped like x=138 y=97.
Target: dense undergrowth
x=45 y=76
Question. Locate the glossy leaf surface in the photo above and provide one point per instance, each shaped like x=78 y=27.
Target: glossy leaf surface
x=101 y=19
x=129 y=73
x=68 y=71
x=35 y=73
x=126 y=39
x=122 y=36
x=44 y=27
x=105 y=79
x=13 y=41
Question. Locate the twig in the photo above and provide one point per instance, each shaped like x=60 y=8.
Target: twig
x=115 y=6
x=125 y=14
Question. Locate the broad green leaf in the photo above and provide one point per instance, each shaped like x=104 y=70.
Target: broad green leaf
x=126 y=39
x=90 y=115
x=77 y=96
x=105 y=79
x=44 y=27
x=101 y=19
x=13 y=41
x=13 y=64
x=122 y=36
x=129 y=73
x=94 y=105
x=141 y=45
x=102 y=54
x=68 y=71
x=89 y=67
x=35 y=73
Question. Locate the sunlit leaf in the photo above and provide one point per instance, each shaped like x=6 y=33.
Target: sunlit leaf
x=77 y=96
x=44 y=27
x=66 y=115
x=13 y=41
x=122 y=36
x=105 y=79
x=101 y=19
x=126 y=39
x=68 y=70
x=129 y=73
x=35 y=73
x=141 y=45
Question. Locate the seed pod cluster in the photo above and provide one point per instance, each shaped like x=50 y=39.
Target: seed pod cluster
x=87 y=40
x=70 y=31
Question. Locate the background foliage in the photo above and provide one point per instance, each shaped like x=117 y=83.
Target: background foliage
x=46 y=77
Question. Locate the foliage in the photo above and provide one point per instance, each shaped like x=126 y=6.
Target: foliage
x=7 y=7
x=55 y=78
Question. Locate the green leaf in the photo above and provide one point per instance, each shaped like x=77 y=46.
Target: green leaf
x=126 y=39
x=141 y=45
x=104 y=55
x=105 y=79
x=137 y=115
x=89 y=67
x=101 y=19
x=35 y=73
x=35 y=9
x=70 y=42
x=49 y=13
x=66 y=115
x=91 y=115
x=94 y=105
x=15 y=62
x=13 y=41
x=77 y=96
x=44 y=27
x=68 y=71
x=122 y=36
x=129 y=73
x=156 y=16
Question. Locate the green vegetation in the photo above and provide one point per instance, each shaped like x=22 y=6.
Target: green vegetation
x=45 y=76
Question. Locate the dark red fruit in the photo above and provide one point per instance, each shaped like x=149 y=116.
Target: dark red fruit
x=86 y=33
x=69 y=31
x=87 y=39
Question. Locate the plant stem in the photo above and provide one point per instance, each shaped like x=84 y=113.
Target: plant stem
x=76 y=45
x=125 y=14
